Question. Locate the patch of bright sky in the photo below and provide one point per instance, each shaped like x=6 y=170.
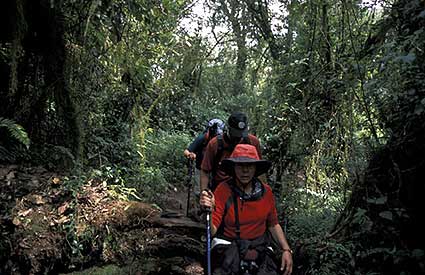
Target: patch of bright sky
x=200 y=14
x=373 y=4
x=278 y=12
x=197 y=21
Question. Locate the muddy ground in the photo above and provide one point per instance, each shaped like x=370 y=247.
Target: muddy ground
x=48 y=227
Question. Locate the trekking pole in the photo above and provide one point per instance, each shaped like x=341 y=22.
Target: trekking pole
x=189 y=184
x=208 y=242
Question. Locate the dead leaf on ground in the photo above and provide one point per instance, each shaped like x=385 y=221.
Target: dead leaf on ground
x=37 y=199
x=4 y=172
x=24 y=244
x=63 y=208
x=63 y=219
x=56 y=181
x=24 y=213
x=16 y=221
x=10 y=176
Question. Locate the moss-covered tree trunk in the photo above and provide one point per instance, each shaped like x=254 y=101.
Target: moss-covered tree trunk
x=33 y=83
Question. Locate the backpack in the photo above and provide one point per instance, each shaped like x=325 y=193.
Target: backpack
x=215 y=127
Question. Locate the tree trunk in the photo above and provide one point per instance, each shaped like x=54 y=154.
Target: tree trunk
x=37 y=78
x=235 y=11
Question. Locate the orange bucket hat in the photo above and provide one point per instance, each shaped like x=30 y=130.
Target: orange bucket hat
x=245 y=153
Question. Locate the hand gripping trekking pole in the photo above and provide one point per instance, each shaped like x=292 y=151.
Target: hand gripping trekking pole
x=189 y=184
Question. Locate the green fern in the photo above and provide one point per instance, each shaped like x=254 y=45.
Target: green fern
x=16 y=131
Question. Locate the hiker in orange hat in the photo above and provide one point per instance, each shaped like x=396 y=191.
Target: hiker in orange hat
x=243 y=212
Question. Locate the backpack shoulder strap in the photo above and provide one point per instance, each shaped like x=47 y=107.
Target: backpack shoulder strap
x=229 y=201
x=235 y=205
x=220 y=150
x=233 y=198
x=220 y=144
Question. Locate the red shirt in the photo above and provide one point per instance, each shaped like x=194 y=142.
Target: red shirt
x=211 y=152
x=254 y=216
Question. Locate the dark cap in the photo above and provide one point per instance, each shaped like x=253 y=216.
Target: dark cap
x=238 y=124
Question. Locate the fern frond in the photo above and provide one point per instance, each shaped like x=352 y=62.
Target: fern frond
x=16 y=131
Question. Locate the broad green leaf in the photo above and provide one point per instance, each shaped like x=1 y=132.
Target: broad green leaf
x=386 y=215
x=381 y=200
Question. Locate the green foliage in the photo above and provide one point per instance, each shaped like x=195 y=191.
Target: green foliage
x=334 y=258
x=117 y=179
x=76 y=243
x=105 y=270
x=12 y=137
x=114 y=57
x=319 y=100
x=164 y=153
x=16 y=131
x=152 y=184
x=309 y=214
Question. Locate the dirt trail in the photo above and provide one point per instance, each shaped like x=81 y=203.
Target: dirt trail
x=47 y=227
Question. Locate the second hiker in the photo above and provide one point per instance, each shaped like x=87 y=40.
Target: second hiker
x=221 y=147
x=196 y=149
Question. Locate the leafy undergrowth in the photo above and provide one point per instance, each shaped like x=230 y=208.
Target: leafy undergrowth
x=49 y=226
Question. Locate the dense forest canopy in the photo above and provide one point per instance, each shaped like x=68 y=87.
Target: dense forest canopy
x=335 y=90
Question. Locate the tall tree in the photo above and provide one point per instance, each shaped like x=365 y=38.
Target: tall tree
x=236 y=13
x=38 y=75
